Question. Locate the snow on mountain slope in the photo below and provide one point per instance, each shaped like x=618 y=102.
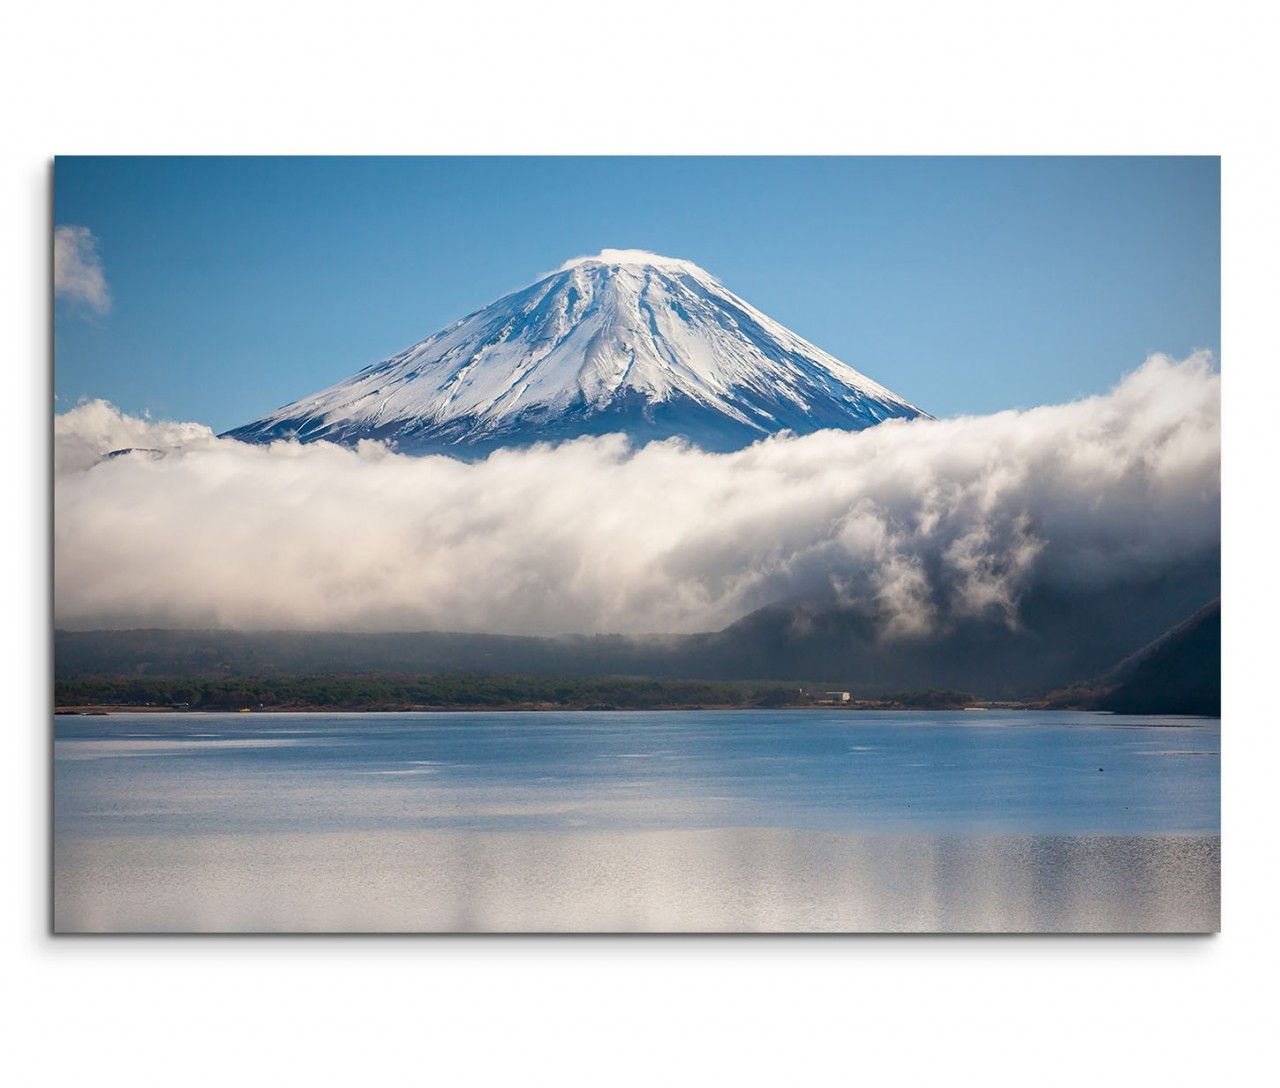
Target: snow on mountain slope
x=625 y=341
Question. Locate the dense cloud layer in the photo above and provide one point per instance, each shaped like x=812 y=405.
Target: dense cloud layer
x=925 y=521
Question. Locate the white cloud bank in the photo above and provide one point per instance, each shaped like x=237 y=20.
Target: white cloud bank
x=77 y=269
x=924 y=520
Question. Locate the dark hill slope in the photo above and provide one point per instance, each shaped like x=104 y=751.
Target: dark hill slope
x=1179 y=673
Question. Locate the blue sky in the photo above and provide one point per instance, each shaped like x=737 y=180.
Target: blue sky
x=965 y=285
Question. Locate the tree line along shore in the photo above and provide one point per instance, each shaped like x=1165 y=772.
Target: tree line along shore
x=469 y=692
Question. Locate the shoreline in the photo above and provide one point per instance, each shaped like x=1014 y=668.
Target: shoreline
x=107 y=709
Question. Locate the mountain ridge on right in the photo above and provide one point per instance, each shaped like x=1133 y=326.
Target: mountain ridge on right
x=1178 y=673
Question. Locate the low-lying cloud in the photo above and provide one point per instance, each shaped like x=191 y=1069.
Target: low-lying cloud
x=923 y=521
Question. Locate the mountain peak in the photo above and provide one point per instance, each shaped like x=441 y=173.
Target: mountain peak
x=625 y=341
x=635 y=258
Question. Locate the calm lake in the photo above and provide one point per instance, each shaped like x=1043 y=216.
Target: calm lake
x=635 y=821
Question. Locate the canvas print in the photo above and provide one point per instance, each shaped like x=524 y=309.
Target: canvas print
x=628 y=545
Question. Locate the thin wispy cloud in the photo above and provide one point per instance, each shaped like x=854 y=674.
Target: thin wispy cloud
x=77 y=269
x=924 y=522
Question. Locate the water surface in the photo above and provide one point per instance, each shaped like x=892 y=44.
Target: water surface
x=715 y=820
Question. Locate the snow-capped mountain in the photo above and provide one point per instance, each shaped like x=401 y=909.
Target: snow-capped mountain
x=626 y=341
